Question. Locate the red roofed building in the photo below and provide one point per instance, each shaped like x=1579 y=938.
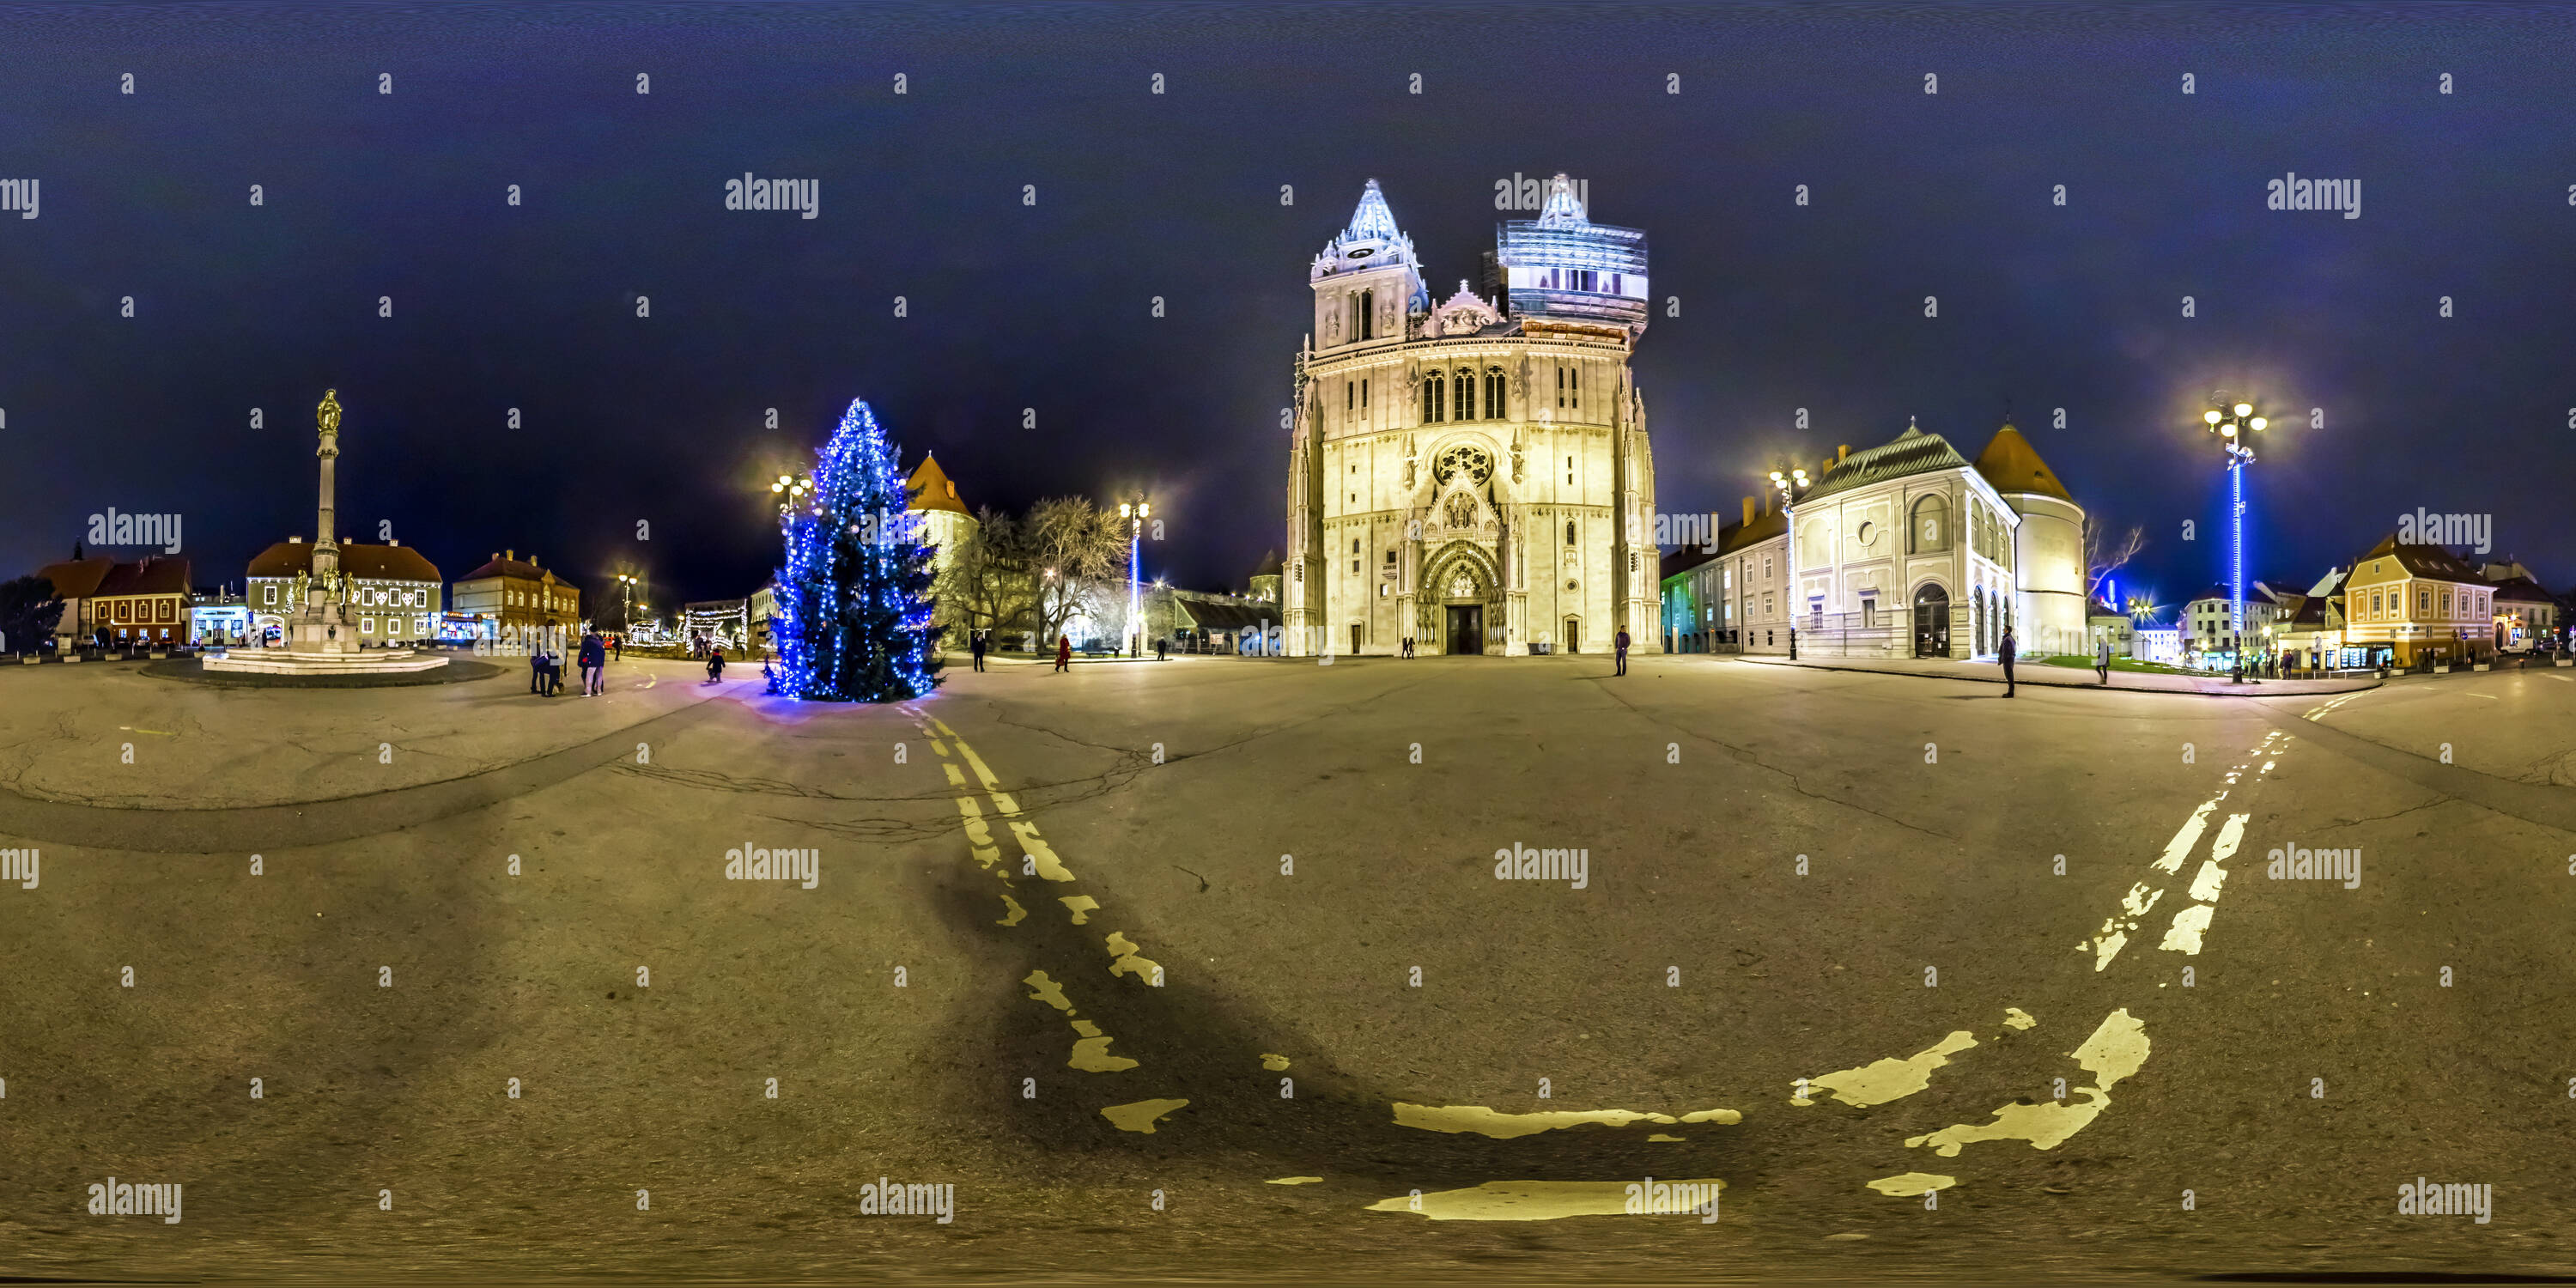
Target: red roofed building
x=510 y=593
x=393 y=589
x=127 y=603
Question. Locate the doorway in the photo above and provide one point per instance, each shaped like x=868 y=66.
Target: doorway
x=1573 y=635
x=1466 y=629
x=1931 y=622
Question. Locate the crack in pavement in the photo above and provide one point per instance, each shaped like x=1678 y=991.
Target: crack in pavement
x=2543 y=804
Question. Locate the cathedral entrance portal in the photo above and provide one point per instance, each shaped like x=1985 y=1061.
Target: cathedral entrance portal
x=1466 y=628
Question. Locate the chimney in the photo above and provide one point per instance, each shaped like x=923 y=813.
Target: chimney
x=1846 y=451
x=1766 y=503
x=513 y=554
x=1748 y=510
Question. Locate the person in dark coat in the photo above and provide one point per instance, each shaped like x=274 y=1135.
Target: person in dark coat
x=975 y=641
x=715 y=665
x=537 y=672
x=594 y=665
x=1064 y=654
x=617 y=645
x=1623 y=650
x=2007 y=652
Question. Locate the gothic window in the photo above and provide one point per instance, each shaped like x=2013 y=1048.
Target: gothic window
x=1569 y=471
x=1930 y=531
x=1466 y=383
x=1569 y=532
x=1493 y=393
x=1350 y=396
x=1368 y=315
x=1435 y=400
x=1560 y=386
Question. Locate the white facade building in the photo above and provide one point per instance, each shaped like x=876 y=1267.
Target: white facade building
x=1473 y=474
x=1908 y=550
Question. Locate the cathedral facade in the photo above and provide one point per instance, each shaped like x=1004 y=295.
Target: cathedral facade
x=1473 y=473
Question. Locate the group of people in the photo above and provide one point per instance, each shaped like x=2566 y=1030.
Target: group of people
x=545 y=669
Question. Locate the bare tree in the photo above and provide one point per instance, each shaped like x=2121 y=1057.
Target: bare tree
x=1079 y=552
x=2104 y=555
x=988 y=584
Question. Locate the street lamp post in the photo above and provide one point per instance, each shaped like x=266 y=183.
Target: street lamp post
x=1134 y=512
x=1790 y=485
x=2234 y=423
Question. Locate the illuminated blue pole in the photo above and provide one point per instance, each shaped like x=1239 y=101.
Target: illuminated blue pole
x=2236 y=620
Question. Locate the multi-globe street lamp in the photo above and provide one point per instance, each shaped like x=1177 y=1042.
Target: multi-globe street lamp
x=1134 y=512
x=626 y=599
x=2234 y=423
x=791 y=491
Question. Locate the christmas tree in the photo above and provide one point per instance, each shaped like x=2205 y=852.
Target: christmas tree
x=853 y=619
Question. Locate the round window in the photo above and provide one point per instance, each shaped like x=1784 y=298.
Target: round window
x=1868 y=532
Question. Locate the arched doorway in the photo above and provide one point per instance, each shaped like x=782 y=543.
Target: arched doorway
x=1458 y=594
x=1931 y=622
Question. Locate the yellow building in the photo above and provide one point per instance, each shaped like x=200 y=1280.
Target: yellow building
x=514 y=594
x=945 y=522
x=2418 y=602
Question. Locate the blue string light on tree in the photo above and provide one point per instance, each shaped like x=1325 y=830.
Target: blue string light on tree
x=854 y=599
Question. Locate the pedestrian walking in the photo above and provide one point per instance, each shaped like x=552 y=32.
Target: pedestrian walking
x=594 y=665
x=715 y=664
x=2102 y=662
x=2006 y=651
x=617 y=645
x=1162 y=650
x=975 y=641
x=1064 y=654
x=1623 y=651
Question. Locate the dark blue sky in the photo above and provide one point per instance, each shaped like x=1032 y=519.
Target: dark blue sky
x=1177 y=195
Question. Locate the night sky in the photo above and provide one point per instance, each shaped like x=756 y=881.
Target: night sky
x=2465 y=195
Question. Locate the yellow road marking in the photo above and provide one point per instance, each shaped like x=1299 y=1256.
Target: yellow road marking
x=1506 y=1126
x=2115 y=1051
x=1529 y=1200
x=1881 y=1081
x=1141 y=1115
